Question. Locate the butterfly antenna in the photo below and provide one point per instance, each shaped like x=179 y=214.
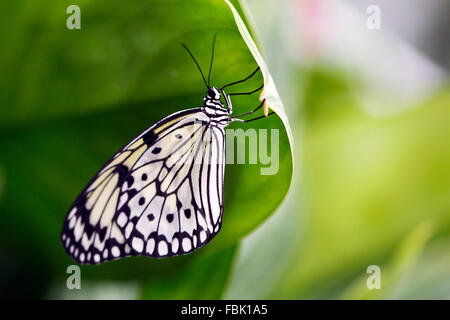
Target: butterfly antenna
x=212 y=58
x=198 y=66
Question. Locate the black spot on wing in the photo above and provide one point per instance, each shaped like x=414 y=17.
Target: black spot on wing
x=130 y=180
x=131 y=193
x=102 y=234
x=150 y=137
x=156 y=150
x=89 y=229
x=135 y=219
x=122 y=171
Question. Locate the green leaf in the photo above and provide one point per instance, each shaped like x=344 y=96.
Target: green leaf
x=2 y=181
x=204 y=278
x=74 y=97
x=270 y=92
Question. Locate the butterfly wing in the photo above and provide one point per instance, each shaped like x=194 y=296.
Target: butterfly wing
x=179 y=207
x=112 y=216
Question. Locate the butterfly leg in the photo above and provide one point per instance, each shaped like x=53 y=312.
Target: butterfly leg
x=249 y=120
x=235 y=118
x=227 y=101
x=246 y=93
x=250 y=112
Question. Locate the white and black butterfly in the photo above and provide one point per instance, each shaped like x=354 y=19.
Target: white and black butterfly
x=162 y=194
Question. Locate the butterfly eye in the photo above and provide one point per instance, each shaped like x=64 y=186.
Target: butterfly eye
x=211 y=93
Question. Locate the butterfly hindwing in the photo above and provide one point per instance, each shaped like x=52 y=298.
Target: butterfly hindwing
x=165 y=214
x=161 y=195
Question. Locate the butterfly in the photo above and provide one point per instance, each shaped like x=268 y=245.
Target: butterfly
x=162 y=194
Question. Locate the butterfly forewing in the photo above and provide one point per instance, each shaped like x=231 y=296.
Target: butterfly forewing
x=161 y=195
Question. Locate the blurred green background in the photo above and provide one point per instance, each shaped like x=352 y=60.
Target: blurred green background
x=369 y=110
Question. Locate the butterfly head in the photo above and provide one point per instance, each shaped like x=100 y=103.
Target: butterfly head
x=213 y=94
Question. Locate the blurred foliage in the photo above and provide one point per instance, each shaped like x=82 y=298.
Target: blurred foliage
x=404 y=257
x=73 y=97
x=376 y=191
